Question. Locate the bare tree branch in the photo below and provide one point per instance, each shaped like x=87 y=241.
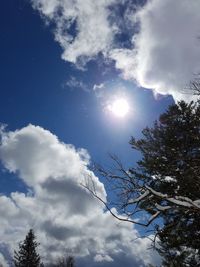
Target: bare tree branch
x=116 y=216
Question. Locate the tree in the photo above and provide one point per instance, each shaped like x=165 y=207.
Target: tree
x=194 y=86
x=70 y=262
x=27 y=255
x=64 y=262
x=164 y=186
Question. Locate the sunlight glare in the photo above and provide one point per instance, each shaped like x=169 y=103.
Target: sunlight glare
x=119 y=107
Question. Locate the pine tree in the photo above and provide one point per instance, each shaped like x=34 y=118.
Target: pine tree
x=70 y=262
x=27 y=255
x=66 y=262
x=166 y=183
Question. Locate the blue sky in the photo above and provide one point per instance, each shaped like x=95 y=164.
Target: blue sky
x=59 y=71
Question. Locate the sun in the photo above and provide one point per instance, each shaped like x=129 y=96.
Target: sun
x=119 y=107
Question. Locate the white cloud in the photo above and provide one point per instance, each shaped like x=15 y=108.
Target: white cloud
x=99 y=90
x=63 y=214
x=74 y=83
x=82 y=28
x=162 y=53
x=166 y=52
x=100 y=258
x=97 y=87
x=3 y=262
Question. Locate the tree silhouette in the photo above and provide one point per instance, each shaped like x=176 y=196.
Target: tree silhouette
x=27 y=255
x=63 y=262
x=66 y=262
x=165 y=183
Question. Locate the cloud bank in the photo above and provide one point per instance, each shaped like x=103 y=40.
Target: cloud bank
x=166 y=51
x=82 y=28
x=66 y=218
x=163 y=36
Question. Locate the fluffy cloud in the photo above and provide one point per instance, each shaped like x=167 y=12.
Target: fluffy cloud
x=82 y=28
x=166 y=51
x=3 y=262
x=161 y=47
x=100 y=258
x=64 y=215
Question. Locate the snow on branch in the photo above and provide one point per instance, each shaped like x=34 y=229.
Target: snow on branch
x=177 y=200
x=138 y=199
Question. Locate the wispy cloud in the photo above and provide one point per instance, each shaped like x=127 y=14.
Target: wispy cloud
x=99 y=90
x=74 y=83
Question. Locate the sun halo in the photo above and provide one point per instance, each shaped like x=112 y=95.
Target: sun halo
x=119 y=107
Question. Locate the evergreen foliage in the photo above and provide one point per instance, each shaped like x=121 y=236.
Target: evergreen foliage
x=166 y=183
x=171 y=165
x=27 y=255
x=64 y=262
x=171 y=156
x=70 y=262
x=67 y=262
